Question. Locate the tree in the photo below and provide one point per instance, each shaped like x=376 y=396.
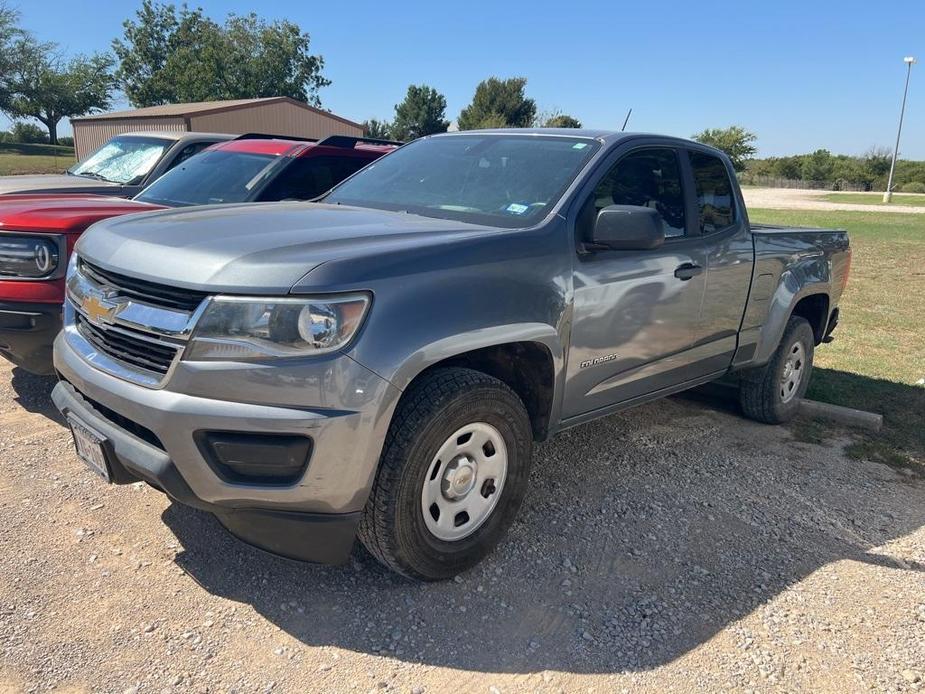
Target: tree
x=877 y=161
x=818 y=166
x=272 y=59
x=499 y=104
x=27 y=133
x=789 y=167
x=735 y=141
x=562 y=120
x=10 y=37
x=848 y=169
x=423 y=112
x=169 y=56
x=378 y=129
x=492 y=120
x=47 y=88
x=36 y=82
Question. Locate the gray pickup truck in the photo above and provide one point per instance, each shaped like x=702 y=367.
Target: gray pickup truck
x=380 y=363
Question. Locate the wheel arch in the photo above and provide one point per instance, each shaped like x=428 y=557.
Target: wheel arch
x=810 y=301
x=815 y=309
x=528 y=359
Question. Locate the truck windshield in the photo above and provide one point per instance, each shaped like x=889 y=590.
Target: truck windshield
x=497 y=179
x=210 y=178
x=122 y=159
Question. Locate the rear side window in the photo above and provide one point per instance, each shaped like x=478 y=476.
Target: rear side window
x=714 y=193
x=308 y=177
x=646 y=178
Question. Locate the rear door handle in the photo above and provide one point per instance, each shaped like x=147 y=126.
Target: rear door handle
x=687 y=271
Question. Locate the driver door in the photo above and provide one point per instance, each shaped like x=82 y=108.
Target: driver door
x=635 y=313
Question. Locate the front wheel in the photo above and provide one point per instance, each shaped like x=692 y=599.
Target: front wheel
x=452 y=476
x=772 y=393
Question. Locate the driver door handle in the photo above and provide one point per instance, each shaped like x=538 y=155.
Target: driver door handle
x=687 y=271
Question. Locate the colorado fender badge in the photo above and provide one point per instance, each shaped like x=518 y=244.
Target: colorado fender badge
x=597 y=360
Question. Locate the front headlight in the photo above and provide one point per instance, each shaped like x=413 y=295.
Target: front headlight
x=28 y=257
x=252 y=328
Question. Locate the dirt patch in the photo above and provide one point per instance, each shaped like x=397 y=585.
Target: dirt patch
x=795 y=199
x=675 y=546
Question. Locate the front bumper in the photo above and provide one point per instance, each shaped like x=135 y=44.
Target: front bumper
x=319 y=537
x=152 y=434
x=27 y=333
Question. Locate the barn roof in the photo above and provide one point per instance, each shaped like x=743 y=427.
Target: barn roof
x=204 y=107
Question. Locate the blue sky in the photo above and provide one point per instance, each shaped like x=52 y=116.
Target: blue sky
x=802 y=75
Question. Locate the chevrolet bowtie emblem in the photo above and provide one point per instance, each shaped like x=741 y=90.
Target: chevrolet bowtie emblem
x=96 y=310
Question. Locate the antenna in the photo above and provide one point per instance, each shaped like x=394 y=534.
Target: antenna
x=626 y=120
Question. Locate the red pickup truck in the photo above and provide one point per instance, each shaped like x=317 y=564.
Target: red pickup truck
x=38 y=232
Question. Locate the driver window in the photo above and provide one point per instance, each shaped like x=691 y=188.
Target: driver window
x=645 y=178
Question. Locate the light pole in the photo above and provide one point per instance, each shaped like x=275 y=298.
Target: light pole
x=888 y=195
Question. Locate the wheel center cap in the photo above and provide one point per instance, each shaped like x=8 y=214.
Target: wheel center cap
x=788 y=370
x=459 y=478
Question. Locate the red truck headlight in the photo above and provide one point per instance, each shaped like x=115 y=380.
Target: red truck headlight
x=28 y=256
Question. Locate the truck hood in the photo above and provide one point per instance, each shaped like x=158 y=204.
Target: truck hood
x=55 y=183
x=62 y=213
x=263 y=248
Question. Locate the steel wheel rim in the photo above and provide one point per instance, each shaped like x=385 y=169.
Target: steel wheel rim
x=792 y=374
x=464 y=482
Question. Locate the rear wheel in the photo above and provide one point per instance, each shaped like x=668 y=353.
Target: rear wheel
x=772 y=393
x=452 y=476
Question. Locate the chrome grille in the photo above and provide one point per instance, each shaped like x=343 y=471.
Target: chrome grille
x=142 y=290
x=129 y=346
x=129 y=328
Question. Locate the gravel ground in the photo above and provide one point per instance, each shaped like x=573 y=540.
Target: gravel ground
x=675 y=547
x=795 y=199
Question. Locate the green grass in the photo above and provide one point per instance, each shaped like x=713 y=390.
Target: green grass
x=879 y=350
x=18 y=158
x=876 y=199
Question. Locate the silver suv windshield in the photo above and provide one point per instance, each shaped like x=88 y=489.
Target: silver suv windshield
x=210 y=178
x=497 y=179
x=122 y=159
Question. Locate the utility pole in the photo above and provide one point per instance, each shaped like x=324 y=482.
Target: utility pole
x=888 y=195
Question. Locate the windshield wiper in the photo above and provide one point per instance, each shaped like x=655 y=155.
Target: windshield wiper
x=94 y=175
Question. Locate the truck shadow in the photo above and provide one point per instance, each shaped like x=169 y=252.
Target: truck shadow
x=643 y=535
x=33 y=393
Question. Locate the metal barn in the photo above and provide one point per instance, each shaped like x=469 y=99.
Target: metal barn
x=278 y=115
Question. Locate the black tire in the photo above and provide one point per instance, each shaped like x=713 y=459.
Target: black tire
x=439 y=403
x=760 y=389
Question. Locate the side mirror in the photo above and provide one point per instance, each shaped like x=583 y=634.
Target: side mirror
x=628 y=228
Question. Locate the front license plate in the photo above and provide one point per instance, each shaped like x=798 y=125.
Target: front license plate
x=89 y=446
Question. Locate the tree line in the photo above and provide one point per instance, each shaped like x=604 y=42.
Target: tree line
x=869 y=171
